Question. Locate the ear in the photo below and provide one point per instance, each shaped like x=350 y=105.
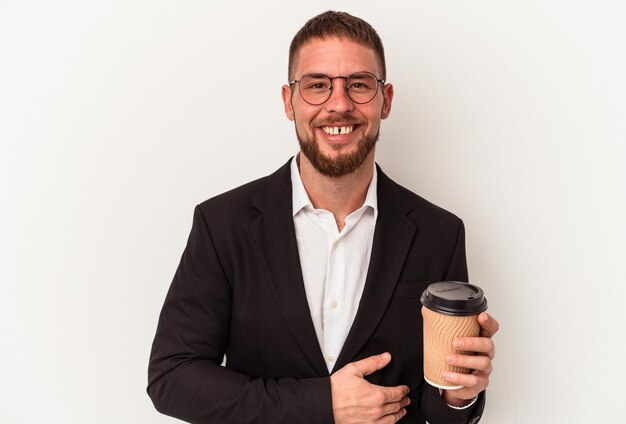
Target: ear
x=286 y=95
x=387 y=98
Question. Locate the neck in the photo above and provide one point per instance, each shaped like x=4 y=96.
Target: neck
x=339 y=195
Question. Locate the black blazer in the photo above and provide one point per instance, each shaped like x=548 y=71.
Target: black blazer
x=238 y=291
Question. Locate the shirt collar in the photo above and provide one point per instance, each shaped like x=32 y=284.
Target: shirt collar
x=301 y=198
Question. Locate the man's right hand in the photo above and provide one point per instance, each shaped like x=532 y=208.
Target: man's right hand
x=355 y=400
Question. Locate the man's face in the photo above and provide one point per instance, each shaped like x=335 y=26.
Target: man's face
x=336 y=154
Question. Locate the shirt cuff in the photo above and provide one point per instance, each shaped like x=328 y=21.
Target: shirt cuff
x=459 y=407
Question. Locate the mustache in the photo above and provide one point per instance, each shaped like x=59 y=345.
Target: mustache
x=344 y=118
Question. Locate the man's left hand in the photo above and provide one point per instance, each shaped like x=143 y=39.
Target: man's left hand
x=479 y=362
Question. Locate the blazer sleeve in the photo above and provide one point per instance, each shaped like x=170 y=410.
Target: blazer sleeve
x=185 y=376
x=432 y=405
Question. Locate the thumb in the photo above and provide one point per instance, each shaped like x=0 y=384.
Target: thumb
x=372 y=363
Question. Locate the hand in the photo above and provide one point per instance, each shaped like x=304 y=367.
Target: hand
x=355 y=400
x=480 y=363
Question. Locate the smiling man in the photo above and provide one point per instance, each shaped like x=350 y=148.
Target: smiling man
x=308 y=280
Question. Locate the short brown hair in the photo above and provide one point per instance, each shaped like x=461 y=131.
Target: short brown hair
x=337 y=24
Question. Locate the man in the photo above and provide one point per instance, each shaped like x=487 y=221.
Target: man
x=308 y=280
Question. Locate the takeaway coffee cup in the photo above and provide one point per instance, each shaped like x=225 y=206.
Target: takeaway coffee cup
x=450 y=310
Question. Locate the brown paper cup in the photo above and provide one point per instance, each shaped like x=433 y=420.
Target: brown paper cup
x=439 y=332
x=450 y=310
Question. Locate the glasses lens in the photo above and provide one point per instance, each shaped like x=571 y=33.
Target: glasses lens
x=362 y=87
x=315 y=89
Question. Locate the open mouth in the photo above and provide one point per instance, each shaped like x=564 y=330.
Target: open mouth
x=338 y=130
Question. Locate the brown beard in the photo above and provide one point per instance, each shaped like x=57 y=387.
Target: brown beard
x=341 y=164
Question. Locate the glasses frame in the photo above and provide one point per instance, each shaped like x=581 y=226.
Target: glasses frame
x=330 y=90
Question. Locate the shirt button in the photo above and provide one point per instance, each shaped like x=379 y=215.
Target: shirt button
x=333 y=304
x=330 y=358
x=335 y=244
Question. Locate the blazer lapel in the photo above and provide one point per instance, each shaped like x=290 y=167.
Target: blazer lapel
x=392 y=239
x=275 y=237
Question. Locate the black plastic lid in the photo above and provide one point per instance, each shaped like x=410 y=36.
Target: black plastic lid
x=454 y=298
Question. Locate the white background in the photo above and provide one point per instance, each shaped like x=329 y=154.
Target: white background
x=117 y=117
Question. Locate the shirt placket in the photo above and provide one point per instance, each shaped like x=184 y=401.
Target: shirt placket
x=333 y=302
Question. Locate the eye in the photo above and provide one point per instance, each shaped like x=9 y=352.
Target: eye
x=361 y=82
x=319 y=85
x=360 y=86
x=315 y=84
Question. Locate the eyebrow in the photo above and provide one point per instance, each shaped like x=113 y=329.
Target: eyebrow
x=316 y=75
x=357 y=75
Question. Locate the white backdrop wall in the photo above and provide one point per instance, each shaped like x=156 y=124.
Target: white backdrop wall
x=117 y=117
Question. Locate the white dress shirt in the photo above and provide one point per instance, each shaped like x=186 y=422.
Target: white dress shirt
x=334 y=263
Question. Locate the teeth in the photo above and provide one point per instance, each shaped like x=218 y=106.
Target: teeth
x=338 y=130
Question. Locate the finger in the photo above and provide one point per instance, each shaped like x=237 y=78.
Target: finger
x=483 y=345
x=476 y=382
x=394 y=394
x=489 y=325
x=393 y=407
x=474 y=362
x=392 y=418
x=372 y=364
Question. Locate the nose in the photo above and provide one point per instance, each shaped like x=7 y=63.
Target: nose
x=339 y=101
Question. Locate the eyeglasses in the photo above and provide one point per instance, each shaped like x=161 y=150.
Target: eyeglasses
x=315 y=89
